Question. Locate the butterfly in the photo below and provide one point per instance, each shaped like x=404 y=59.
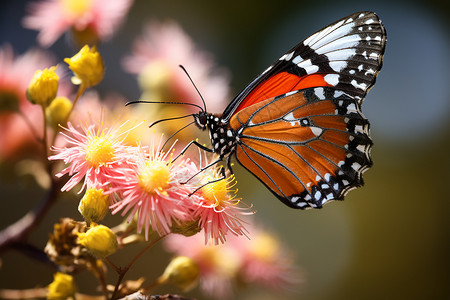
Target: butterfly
x=298 y=126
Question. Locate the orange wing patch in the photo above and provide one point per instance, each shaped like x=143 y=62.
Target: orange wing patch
x=280 y=84
x=300 y=146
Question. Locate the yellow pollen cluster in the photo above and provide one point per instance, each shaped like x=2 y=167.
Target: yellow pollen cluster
x=217 y=192
x=154 y=176
x=99 y=151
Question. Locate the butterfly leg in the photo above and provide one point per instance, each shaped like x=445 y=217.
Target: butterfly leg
x=222 y=172
x=229 y=164
x=188 y=145
x=203 y=169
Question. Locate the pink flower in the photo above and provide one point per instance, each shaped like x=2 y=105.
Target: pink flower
x=152 y=188
x=266 y=261
x=93 y=155
x=156 y=57
x=94 y=19
x=15 y=76
x=218 y=209
x=260 y=259
x=219 y=265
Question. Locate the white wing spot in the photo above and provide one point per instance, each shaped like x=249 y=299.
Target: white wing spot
x=298 y=59
x=373 y=55
x=287 y=56
x=356 y=166
x=351 y=108
x=338 y=66
x=317 y=195
x=361 y=148
x=316 y=130
x=357 y=85
x=359 y=128
x=332 y=79
x=320 y=93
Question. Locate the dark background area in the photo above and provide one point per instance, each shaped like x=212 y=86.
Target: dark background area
x=388 y=240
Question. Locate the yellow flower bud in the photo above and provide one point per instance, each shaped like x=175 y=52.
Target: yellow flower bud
x=61 y=288
x=94 y=205
x=57 y=112
x=182 y=272
x=43 y=87
x=87 y=65
x=99 y=240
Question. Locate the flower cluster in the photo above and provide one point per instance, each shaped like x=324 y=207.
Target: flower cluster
x=85 y=142
x=146 y=183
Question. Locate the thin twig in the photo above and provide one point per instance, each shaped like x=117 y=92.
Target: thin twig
x=123 y=271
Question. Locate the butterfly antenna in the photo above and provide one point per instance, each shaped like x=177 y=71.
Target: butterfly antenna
x=192 y=81
x=185 y=126
x=168 y=119
x=162 y=102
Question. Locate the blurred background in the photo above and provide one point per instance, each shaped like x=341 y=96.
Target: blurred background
x=387 y=240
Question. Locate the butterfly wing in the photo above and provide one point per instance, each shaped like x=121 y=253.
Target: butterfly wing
x=299 y=124
x=346 y=54
x=308 y=146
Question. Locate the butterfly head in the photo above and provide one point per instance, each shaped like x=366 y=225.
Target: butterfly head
x=201 y=119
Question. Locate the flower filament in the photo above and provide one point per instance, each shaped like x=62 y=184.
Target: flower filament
x=154 y=176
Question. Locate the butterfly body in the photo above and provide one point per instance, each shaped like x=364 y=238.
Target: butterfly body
x=298 y=127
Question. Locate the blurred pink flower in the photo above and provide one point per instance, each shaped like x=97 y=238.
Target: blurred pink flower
x=152 y=188
x=98 y=18
x=156 y=57
x=260 y=259
x=266 y=261
x=15 y=76
x=94 y=155
x=111 y=108
x=219 y=264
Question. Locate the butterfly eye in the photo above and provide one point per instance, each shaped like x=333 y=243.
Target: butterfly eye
x=201 y=119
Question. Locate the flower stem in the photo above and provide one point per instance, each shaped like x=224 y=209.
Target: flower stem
x=123 y=271
x=45 y=141
x=80 y=92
